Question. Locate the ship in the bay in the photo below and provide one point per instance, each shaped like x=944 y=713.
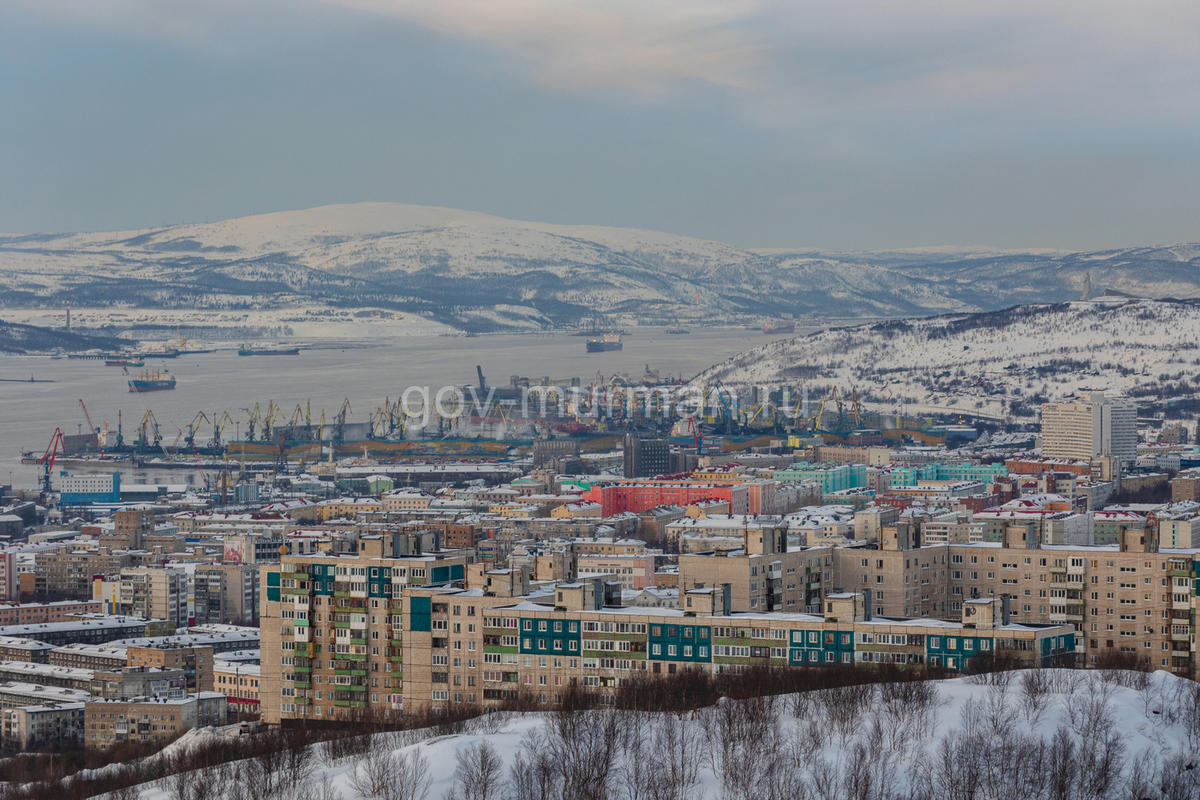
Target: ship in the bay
x=247 y=350
x=604 y=343
x=779 y=327
x=152 y=380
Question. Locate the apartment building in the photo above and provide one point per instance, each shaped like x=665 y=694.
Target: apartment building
x=29 y=727
x=238 y=681
x=156 y=721
x=94 y=629
x=225 y=594
x=481 y=646
x=905 y=577
x=763 y=574
x=29 y=613
x=331 y=628
x=46 y=674
x=1096 y=426
x=1129 y=599
x=155 y=593
x=15 y=648
x=194 y=661
x=141 y=681
x=69 y=573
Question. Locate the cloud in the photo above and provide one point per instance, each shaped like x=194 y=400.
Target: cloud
x=643 y=47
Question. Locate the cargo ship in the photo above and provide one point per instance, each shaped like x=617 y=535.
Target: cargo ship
x=151 y=380
x=601 y=344
x=121 y=361
x=247 y=350
x=779 y=327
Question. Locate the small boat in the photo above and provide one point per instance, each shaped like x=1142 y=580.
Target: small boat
x=678 y=331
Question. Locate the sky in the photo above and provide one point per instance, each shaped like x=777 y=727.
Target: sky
x=848 y=125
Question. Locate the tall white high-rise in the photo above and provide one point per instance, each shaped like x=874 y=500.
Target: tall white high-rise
x=1097 y=426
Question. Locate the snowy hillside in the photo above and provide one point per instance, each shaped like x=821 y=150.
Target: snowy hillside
x=450 y=265
x=997 y=364
x=1032 y=735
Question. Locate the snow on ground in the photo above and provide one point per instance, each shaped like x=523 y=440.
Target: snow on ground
x=894 y=736
x=985 y=363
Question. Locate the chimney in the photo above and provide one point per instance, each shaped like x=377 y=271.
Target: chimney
x=1005 y=610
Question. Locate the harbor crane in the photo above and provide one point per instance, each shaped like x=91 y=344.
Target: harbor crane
x=339 y=434
x=148 y=437
x=53 y=449
x=219 y=423
x=92 y=429
x=193 y=426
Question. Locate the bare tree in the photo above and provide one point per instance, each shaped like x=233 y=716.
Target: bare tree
x=479 y=774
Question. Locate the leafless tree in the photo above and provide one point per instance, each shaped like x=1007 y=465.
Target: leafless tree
x=1035 y=691
x=318 y=790
x=479 y=774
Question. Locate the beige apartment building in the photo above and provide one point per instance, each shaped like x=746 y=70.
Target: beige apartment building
x=156 y=721
x=155 y=593
x=489 y=644
x=196 y=662
x=1097 y=426
x=763 y=575
x=1130 y=599
x=332 y=626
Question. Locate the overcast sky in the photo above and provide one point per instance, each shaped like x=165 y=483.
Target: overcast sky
x=850 y=124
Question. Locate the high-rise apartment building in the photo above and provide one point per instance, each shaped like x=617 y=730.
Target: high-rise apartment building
x=155 y=593
x=226 y=594
x=332 y=628
x=1087 y=429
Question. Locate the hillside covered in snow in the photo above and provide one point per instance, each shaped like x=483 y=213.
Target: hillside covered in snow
x=998 y=364
x=1035 y=735
x=473 y=270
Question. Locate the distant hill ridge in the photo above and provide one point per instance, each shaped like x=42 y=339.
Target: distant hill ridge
x=479 y=271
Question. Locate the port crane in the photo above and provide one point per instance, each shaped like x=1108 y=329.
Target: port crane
x=55 y=447
x=339 y=434
x=253 y=415
x=193 y=426
x=219 y=423
x=148 y=437
x=92 y=429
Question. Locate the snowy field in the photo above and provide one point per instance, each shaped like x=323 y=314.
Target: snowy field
x=1031 y=734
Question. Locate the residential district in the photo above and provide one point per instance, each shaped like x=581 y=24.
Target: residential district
x=353 y=588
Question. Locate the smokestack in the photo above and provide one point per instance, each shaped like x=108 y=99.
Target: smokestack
x=1004 y=610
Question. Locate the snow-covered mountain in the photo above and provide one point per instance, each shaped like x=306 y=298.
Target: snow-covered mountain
x=999 y=364
x=452 y=265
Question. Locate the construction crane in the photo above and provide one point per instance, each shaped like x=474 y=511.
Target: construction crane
x=55 y=447
x=856 y=408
